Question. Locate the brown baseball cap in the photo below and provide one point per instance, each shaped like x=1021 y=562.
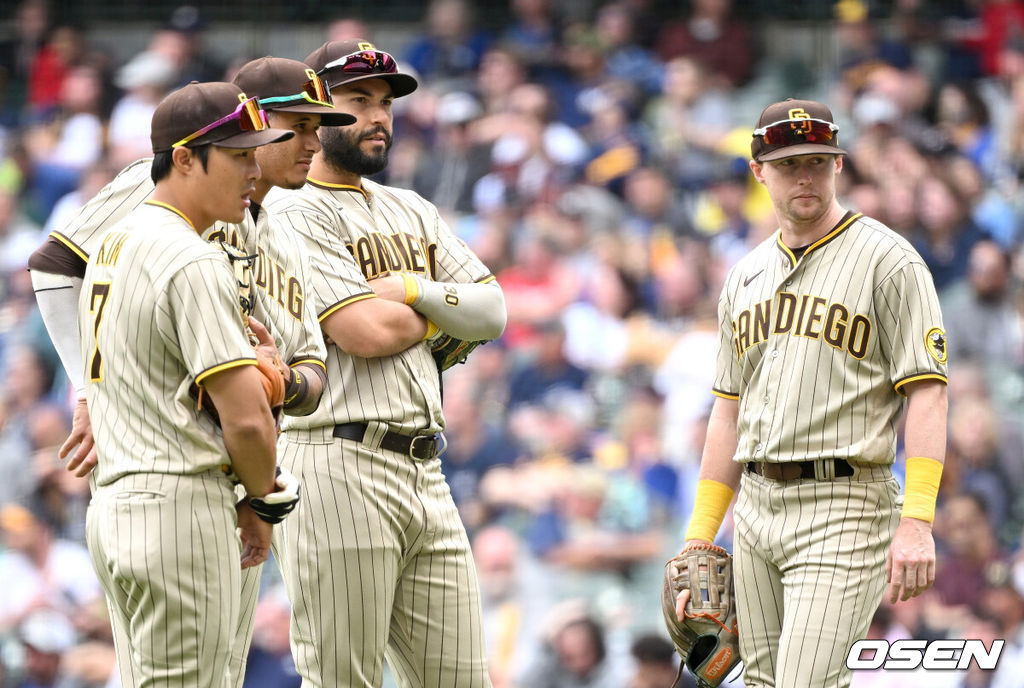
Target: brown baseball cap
x=290 y=86
x=196 y=106
x=794 y=127
x=342 y=62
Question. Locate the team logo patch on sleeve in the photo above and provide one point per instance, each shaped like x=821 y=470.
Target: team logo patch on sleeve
x=935 y=342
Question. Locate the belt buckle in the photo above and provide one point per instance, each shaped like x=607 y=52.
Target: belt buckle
x=427 y=438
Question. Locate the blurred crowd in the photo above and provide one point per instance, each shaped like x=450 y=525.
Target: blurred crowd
x=597 y=162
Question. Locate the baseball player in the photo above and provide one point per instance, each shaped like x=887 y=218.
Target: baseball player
x=378 y=564
x=161 y=311
x=297 y=100
x=828 y=329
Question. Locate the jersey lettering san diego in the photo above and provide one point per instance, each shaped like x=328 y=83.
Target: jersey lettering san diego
x=801 y=338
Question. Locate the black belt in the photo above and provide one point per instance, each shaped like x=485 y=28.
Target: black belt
x=795 y=470
x=422 y=447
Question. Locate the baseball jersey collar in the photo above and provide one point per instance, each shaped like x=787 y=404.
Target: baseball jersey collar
x=174 y=210
x=337 y=187
x=845 y=222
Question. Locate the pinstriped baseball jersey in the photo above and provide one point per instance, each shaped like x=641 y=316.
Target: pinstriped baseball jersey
x=813 y=347
x=404 y=586
x=159 y=311
x=123 y=194
x=281 y=275
x=281 y=267
x=352 y=236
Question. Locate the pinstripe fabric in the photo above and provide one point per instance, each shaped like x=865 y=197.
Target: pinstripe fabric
x=810 y=571
x=165 y=549
x=375 y=558
x=816 y=351
x=123 y=194
x=352 y=237
x=153 y=494
x=281 y=268
x=152 y=344
x=376 y=561
x=281 y=304
x=813 y=349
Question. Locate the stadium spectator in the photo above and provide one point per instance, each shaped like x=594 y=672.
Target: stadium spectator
x=575 y=656
x=145 y=80
x=270 y=663
x=656 y=664
x=40 y=571
x=451 y=46
x=985 y=323
x=945 y=233
x=723 y=45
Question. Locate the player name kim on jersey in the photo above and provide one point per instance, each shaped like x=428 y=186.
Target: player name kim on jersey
x=803 y=315
x=110 y=249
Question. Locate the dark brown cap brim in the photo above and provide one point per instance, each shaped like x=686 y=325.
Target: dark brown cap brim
x=255 y=139
x=401 y=84
x=799 y=149
x=329 y=117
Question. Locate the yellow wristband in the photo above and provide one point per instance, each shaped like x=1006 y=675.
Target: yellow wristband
x=412 y=288
x=709 y=507
x=432 y=329
x=923 y=476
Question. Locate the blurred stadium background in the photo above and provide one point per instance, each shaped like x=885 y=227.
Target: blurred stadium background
x=594 y=155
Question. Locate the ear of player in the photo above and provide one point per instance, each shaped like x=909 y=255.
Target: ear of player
x=706 y=638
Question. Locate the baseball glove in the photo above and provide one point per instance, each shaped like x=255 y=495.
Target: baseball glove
x=706 y=638
x=448 y=351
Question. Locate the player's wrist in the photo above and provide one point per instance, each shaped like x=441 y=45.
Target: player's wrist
x=412 y=288
x=433 y=331
x=709 y=506
x=296 y=387
x=922 y=488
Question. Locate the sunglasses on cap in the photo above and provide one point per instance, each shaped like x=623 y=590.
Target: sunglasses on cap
x=314 y=91
x=248 y=113
x=790 y=132
x=364 y=62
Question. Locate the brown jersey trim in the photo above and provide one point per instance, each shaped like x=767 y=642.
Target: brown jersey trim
x=346 y=302
x=220 y=367
x=914 y=378
x=845 y=222
x=71 y=245
x=58 y=257
x=725 y=395
x=330 y=186
x=308 y=361
x=486 y=280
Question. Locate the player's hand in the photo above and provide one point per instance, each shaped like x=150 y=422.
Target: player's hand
x=84 y=459
x=684 y=595
x=255 y=534
x=389 y=287
x=265 y=344
x=910 y=566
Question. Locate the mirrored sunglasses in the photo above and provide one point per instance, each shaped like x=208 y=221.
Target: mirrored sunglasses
x=248 y=113
x=790 y=132
x=314 y=91
x=364 y=62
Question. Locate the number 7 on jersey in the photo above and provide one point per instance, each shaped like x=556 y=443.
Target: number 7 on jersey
x=97 y=302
